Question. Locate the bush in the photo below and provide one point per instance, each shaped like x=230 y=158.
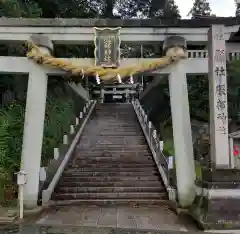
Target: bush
x=11 y=130
x=61 y=108
x=168 y=148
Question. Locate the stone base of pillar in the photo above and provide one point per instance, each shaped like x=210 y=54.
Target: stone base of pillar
x=33 y=211
x=28 y=213
x=217 y=204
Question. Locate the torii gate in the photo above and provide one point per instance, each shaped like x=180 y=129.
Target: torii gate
x=12 y=30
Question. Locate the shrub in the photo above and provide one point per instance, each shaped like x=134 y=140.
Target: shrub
x=61 y=107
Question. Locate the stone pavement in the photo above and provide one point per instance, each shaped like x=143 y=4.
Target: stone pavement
x=41 y=229
x=151 y=218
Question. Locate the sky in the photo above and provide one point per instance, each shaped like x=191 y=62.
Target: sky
x=219 y=7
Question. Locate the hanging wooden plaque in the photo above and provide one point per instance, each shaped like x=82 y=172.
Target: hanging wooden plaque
x=107 y=47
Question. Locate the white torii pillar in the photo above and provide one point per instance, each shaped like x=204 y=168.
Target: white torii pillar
x=182 y=133
x=34 y=126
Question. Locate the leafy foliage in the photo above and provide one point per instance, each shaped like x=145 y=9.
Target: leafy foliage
x=147 y=9
x=88 y=9
x=168 y=148
x=200 y=8
x=237 y=3
x=61 y=109
x=11 y=121
x=16 y=8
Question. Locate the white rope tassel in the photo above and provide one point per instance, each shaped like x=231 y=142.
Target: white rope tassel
x=97 y=79
x=131 y=80
x=119 y=79
x=82 y=73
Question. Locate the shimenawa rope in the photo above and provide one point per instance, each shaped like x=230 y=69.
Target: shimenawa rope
x=105 y=74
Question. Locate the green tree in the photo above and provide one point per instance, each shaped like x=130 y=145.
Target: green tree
x=147 y=9
x=68 y=9
x=237 y=3
x=18 y=8
x=200 y=8
x=171 y=10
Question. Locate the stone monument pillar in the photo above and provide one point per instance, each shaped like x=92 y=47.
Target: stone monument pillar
x=216 y=205
x=218 y=97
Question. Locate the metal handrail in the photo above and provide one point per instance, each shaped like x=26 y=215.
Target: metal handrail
x=153 y=142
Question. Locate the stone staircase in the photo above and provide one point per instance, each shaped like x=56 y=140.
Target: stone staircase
x=112 y=163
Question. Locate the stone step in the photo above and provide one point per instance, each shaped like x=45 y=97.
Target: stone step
x=108 y=189
x=98 y=126
x=115 y=110
x=107 y=173
x=111 y=133
x=117 y=105
x=108 y=125
x=115 y=113
x=114 y=105
x=125 y=152
x=129 y=115
x=118 y=109
x=115 y=139
x=111 y=141
x=112 y=165
x=115 y=120
x=114 y=153
x=110 y=179
x=124 y=118
x=111 y=202
x=122 y=150
x=137 y=195
x=109 y=157
x=114 y=123
x=109 y=163
x=82 y=161
x=121 y=147
x=110 y=170
x=107 y=128
x=110 y=128
x=126 y=183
